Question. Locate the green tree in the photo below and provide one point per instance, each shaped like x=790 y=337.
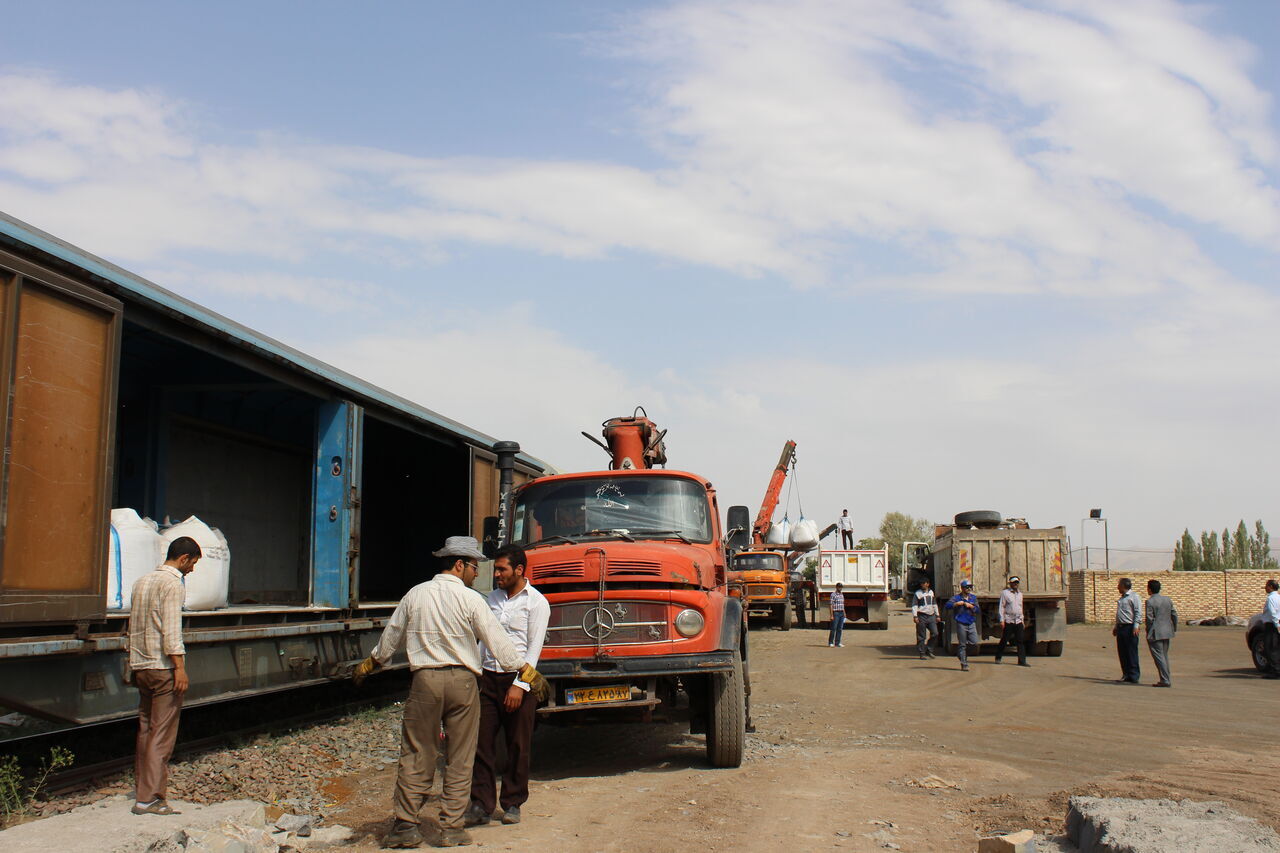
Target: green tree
x=896 y=528
x=1240 y=546
x=810 y=570
x=1228 y=555
x=1190 y=553
x=1177 y=565
x=1265 y=560
x=1210 y=556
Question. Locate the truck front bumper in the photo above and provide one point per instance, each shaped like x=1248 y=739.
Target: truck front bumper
x=636 y=667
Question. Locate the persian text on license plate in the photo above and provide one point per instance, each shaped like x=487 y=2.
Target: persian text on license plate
x=607 y=693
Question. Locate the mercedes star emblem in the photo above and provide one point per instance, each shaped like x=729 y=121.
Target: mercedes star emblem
x=597 y=623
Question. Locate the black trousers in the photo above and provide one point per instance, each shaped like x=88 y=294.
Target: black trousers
x=1014 y=632
x=1271 y=646
x=846 y=537
x=517 y=727
x=1127 y=651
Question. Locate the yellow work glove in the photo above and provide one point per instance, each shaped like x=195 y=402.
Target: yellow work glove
x=362 y=670
x=538 y=685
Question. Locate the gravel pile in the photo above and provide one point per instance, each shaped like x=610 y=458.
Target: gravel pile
x=294 y=771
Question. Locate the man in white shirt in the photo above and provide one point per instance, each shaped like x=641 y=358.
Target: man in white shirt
x=845 y=524
x=924 y=612
x=505 y=700
x=1012 y=622
x=440 y=623
x=1271 y=628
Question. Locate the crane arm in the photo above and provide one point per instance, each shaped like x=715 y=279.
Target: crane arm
x=764 y=520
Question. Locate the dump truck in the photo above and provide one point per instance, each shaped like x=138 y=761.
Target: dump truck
x=633 y=563
x=864 y=577
x=987 y=549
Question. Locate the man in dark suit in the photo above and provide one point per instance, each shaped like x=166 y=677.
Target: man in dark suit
x=1162 y=624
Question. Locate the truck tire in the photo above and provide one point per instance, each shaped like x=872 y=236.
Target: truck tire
x=1258 y=648
x=726 y=722
x=978 y=518
x=788 y=615
x=1053 y=648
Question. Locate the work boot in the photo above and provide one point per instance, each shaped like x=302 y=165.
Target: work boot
x=454 y=837
x=964 y=667
x=403 y=834
x=511 y=815
x=476 y=815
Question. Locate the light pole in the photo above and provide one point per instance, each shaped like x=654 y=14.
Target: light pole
x=1096 y=515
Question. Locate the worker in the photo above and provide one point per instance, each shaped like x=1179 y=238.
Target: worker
x=836 y=634
x=1126 y=630
x=157 y=664
x=964 y=606
x=924 y=612
x=441 y=623
x=1012 y=621
x=505 y=701
x=1271 y=629
x=845 y=523
x=1162 y=625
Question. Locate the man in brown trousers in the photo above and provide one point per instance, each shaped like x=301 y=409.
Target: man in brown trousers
x=440 y=623
x=157 y=658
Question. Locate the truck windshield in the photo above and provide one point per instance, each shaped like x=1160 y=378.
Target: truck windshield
x=636 y=507
x=757 y=563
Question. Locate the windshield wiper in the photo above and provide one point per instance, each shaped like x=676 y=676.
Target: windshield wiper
x=550 y=539
x=619 y=532
x=674 y=533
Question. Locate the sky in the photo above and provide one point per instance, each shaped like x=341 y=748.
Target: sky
x=978 y=254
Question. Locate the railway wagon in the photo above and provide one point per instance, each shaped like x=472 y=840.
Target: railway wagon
x=118 y=393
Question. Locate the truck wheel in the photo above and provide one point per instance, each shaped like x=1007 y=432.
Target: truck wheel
x=726 y=725
x=1259 y=649
x=978 y=518
x=1053 y=648
x=787 y=616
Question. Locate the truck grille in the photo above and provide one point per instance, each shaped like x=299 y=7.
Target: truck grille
x=761 y=589
x=571 y=569
x=622 y=623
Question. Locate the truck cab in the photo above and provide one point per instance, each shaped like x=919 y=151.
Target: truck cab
x=766 y=577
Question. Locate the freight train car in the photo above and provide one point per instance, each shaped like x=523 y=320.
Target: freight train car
x=118 y=393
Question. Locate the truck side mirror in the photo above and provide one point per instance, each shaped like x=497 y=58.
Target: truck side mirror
x=739 y=533
x=489 y=540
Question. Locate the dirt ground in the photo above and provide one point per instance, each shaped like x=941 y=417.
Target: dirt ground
x=847 y=740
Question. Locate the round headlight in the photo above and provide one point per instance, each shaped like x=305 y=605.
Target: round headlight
x=689 y=623
x=777 y=590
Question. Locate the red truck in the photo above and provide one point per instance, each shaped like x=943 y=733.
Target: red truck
x=632 y=561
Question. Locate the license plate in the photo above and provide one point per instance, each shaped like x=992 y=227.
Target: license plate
x=607 y=693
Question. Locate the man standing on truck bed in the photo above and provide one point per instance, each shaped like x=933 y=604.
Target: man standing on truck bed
x=1128 y=625
x=965 y=606
x=1012 y=622
x=924 y=612
x=505 y=701
x=441 y=622
x=845 y=524
x=157 y=658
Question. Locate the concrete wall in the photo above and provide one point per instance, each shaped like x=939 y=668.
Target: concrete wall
x=1092 y=596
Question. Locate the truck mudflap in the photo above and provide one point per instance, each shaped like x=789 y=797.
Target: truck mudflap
x=626 y=667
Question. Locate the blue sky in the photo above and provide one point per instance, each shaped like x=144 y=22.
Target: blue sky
x=980 y=254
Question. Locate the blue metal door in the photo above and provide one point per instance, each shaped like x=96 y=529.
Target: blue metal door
x=335 y=528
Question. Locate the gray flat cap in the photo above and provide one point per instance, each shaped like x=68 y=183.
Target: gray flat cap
x=461 y=546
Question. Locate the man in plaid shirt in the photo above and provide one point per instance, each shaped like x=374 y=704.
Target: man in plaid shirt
x=157 y=658
x=837 y=617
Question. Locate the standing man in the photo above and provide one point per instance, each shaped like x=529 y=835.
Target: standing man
x=846 y=530
x=1012 y=622
x=1126 y=630
x=924 y=612
x=964 y=605
x=836 y=634
x=505 y=700
x=157 y=658
x=1271 y=629
x=1162 y=624
x=441 y=622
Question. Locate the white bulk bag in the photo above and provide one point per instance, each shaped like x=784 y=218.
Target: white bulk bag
x=804 y=535
x=779 y=533
x=136 y=549
x=207 y=586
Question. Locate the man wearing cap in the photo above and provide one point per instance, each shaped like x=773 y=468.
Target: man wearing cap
x=441 y=623
x=1126 y=630
x=924 y=612
x=964 y=606
x=1012 y=622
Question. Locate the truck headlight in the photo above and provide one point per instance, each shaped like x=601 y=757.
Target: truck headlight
x=689 y=623
x=777 y=590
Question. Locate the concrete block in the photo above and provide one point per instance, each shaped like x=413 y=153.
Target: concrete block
x=1118 y=825
x=108 y=827
x=1017 y=842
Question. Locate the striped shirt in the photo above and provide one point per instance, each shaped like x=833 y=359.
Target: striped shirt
x=1011 y=607
x=155 y=619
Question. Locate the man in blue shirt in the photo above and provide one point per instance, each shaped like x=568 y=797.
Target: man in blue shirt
x=964 y=605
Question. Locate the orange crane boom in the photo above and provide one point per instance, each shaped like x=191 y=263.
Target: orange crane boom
x=764 y=520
